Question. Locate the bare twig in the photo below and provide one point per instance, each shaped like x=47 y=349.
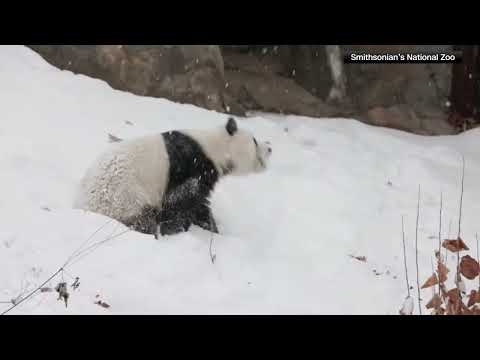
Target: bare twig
x=449 y=237
x=78 y=250
x=31 y=293
x=212 y=226
x=212 y=256
x=416 y=252
x=458 y=278
x=461 y=198
x=478 y=261
x=440 y=239
x=93 y=247
x=405 y=258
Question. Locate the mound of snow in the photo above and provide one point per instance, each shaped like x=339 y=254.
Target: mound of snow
x=335 y=188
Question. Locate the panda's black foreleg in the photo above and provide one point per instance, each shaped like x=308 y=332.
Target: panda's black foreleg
x=184 y=205
x=202 y=216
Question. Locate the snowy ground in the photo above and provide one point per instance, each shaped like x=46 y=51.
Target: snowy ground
x=335 y=187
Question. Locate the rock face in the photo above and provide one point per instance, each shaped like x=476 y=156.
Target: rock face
x=290 y=79
x=266 y=82
x=189 y=74
x=411 y=97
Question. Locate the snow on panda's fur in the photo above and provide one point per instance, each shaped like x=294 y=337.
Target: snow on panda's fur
x=162 y=182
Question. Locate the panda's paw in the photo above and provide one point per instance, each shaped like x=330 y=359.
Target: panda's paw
x=175 y=226
x=209 y=226
x=186 y=226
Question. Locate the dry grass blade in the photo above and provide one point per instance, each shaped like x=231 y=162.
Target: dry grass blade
x=405 y=257
x=438 y=254
x=416 y=253
x=478 y=261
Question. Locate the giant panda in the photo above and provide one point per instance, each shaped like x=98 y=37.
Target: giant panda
x=161 y=183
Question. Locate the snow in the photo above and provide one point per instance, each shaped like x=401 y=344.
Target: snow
x=335 y=188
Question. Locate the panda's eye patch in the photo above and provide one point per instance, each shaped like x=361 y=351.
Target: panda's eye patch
x=255 y=141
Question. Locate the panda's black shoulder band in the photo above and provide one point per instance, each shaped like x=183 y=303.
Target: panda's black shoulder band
x=188 y=160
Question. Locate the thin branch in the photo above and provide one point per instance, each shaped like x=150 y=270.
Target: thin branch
x=416 y=252
x=458 y=278
x=212 y=256
x=440 y=239
x=478 y=261
x=85 y=242
x=449 y=237
x=461 y=198
x=405 y=258
x=80 y=255
x=33 y=292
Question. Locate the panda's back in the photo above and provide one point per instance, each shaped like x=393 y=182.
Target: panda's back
x=125 y=179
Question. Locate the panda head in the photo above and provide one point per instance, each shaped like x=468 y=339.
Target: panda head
x=243 y=153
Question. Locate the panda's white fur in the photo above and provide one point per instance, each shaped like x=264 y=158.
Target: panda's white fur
x=130 y=175
x=134 y=174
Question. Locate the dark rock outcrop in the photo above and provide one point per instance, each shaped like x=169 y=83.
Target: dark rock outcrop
x=185 y=73
x=289 y=79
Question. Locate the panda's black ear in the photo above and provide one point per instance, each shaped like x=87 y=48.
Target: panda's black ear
x=231 y=126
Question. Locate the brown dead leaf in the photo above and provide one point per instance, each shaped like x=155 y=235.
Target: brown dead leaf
x=455 y=245
x=476 y=310
x=454 y=295
x=359 y=258
x=454 y=307
x=435 y=303
x=442 y=272
x=443 y=291
x=469 y=267
x=465 y=310
x=113 y=138
x=472 y=298
x=102 y=304
x=451 y=308
x=431 y=281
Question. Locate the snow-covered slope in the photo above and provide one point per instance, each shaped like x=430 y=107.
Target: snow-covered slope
x=335 y=188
